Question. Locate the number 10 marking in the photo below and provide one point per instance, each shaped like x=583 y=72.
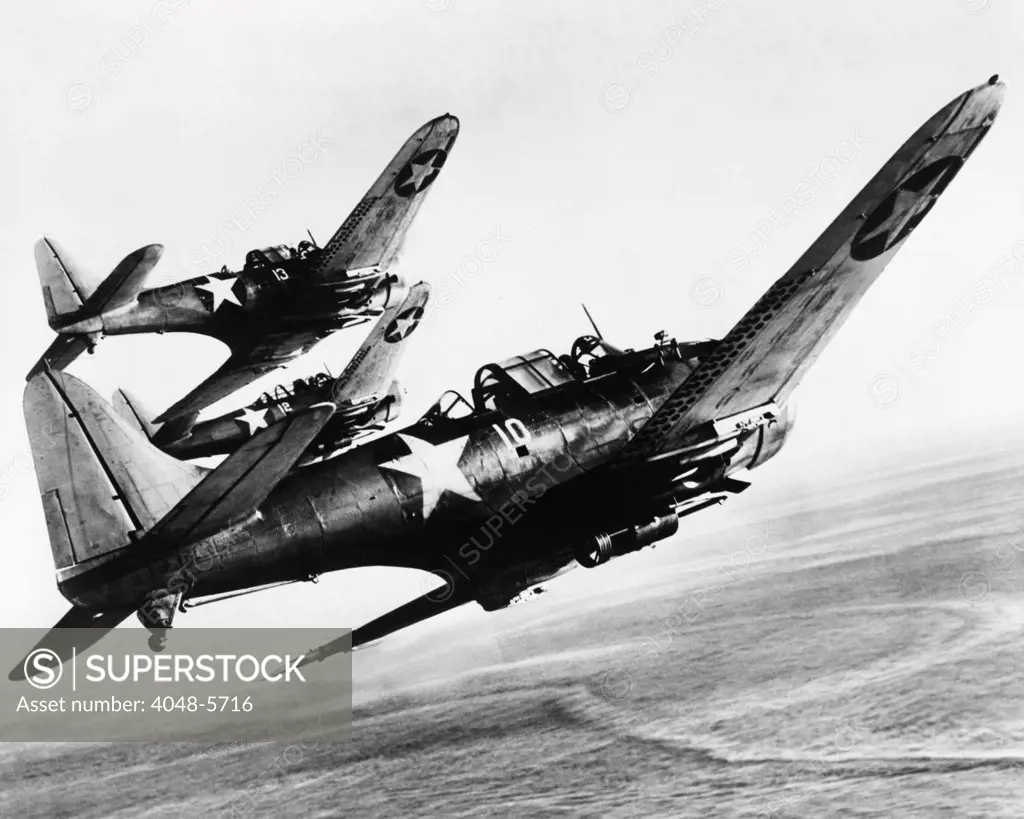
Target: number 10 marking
x=513 y=433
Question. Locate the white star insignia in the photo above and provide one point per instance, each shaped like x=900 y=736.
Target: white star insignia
x=403 y=322
x=907 y=205
x=420 y=173
x=403 y=325
x=254 y=419
x=222 y=290
x=437 y=467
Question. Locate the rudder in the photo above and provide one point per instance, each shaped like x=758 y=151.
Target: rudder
x=65 y=286
x=76 y=302
x=101 y=482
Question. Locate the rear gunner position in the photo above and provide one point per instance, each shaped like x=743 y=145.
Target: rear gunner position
x=552 y=463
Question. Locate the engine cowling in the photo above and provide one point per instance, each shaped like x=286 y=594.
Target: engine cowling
x=601 y=547
x=385 y=412
x=769 y=439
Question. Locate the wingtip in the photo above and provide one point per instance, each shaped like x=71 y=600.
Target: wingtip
x=154 y=251
x=990 y=94
x=992 y=86
x=980 y=104
x=447 y=118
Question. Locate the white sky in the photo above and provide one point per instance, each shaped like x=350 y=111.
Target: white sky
x=625 y=209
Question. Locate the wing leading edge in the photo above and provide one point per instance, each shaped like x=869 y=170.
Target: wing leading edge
x=367 y=241
x=373 y=233
x=240 y=483
x=765 y=355
x=369 y=374
x=248 y=362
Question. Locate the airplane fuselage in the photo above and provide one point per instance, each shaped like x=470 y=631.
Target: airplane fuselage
x=224 y=434
x=485 y=495
x=234 y=306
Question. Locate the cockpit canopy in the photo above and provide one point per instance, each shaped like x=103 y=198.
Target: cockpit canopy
x=518 y=377
x=499 y=385
x=284 y=392
x=277 y=255
x=269 y=257
x=513 y=381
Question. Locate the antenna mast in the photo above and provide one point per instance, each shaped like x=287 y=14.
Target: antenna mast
x=593 y=323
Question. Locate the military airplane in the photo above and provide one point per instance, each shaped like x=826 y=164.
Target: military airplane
x=553 y=463
x=366 y=395
x=284 y=300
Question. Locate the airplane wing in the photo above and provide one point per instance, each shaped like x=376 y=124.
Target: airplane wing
x=369 y=374
x=236 y=488
x=61 y=353
x=424 y=607
x=365 y=244
x=372 y=234
x=766 y=354
x=248 y=362
x=66 y=635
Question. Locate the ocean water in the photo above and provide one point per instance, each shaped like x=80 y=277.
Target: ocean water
x=857 y=651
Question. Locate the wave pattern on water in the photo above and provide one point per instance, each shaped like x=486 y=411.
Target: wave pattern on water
x=846 y=671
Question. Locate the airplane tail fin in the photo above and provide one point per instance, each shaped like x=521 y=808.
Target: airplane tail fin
x=102 y=483
x=75 y=302
x=65 y=286
x=161 y=435
x=132 y=411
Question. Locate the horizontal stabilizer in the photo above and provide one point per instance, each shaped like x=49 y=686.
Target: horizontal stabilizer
x=66 y=636
x=177 y=429
x=62 y=353
x=235 y=489
x=72 y=298
x=75 y=303
x=125 y=283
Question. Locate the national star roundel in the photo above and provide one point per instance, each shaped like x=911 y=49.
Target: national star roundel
x=218 y=289
x=902 y=210
x=403 y=324
x=420 y=172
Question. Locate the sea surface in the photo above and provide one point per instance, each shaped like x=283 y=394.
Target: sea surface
x=853 y=649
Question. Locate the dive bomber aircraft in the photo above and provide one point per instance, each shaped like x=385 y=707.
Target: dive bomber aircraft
x=278 y=307
x=554 y=462
x=366 y=395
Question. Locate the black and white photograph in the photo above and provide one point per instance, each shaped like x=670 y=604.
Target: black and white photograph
x=466 y=408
